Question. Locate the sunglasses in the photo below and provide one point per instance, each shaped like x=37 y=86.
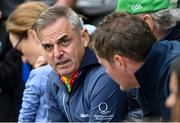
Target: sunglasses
x=17 y=51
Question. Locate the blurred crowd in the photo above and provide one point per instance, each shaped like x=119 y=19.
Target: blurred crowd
x=89 y=60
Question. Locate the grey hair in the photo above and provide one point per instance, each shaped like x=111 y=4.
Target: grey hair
x=166 y=19
x=52 y=14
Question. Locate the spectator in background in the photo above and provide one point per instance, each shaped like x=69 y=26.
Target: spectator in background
x=34 y=106
x=133 y=59
x=94 y=10
x=26 y=42
x=22 y=37
x=11 y=86
x=6 y=7
x=161 y=16
x=173 y=101
x=73 y=5
x=78 y=88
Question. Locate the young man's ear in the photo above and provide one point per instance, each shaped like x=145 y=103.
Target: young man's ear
x=120 y=62
x=85 y=37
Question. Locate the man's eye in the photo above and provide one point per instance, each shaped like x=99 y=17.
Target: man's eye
x=47 y=47
x=65 y=42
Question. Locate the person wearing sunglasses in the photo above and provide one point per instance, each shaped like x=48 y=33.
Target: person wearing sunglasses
x=26 y=44
x=10 y=83
x=22 y=37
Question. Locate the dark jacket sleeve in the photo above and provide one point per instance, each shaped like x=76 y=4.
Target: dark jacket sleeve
x=10 y=71
x=11 y=86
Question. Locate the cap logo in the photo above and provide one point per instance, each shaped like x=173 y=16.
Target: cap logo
x=136 y=7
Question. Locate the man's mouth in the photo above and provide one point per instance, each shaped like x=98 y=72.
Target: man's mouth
x=62 y=63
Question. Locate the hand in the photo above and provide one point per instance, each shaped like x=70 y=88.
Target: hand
x=41 y=61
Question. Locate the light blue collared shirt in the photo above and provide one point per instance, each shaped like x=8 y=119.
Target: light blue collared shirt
x=34 y=106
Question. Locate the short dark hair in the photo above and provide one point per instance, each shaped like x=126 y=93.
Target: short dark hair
x=124 y=34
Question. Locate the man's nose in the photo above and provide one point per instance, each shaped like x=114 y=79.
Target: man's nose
x=58 y=52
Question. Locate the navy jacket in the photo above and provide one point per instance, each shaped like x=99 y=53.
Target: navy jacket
x=95 y=96
x=11 y=85
x=153 y=77
x=172 y=34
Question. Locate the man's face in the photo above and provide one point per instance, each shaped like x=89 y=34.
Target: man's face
x=125 y=79
x=28 y=48
x=64 y=46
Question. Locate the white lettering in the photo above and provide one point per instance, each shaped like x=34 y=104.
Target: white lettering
x=84 y=115
x=103 y=108
x=136 y=7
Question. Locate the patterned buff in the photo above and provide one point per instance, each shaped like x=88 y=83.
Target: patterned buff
x=69 y=82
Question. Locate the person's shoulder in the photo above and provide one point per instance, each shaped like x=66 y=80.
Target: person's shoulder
x=99 y=81
x=97 y=70
x=168 y=43
x=98 y=76
x=38 y=75
x=53 y=79
x=42 y=70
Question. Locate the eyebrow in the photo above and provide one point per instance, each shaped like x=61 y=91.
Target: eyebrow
x=63 y=37
x=60 y=39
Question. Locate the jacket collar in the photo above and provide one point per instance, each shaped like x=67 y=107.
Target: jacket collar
x=88 y=61
x=149 y=73
x=172 y=34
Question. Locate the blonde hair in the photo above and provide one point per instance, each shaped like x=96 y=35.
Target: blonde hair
x=24 y=16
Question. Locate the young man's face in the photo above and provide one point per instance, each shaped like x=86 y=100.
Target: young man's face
x=123 y=77
x=64 y=46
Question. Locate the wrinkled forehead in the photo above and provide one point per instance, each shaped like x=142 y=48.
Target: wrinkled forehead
x=57 y=29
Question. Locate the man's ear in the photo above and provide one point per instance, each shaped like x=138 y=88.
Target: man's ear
x=85 y=37
x=33 y=36
x=149 y=20
x=120 y=62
